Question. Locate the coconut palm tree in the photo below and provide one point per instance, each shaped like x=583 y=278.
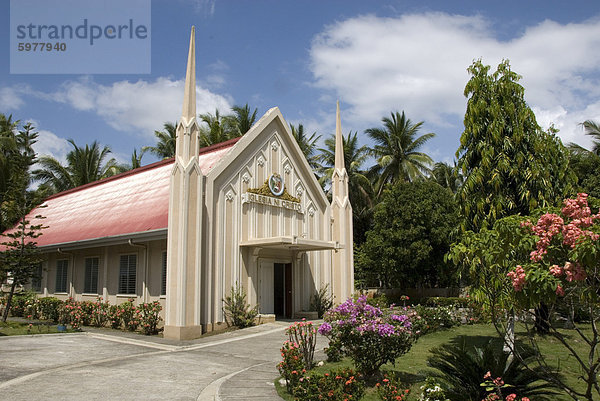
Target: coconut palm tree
x=165 y=145
x=136 y=161
x=84 y=165
x=592 y=129
x=216 y=129
x=447 y=176
x=240 y=122
x=396 y=148
x=307 y=144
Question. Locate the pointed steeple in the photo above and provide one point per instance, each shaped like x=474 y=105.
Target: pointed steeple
x=341 y=213
x=339 y=143
x=189 y=96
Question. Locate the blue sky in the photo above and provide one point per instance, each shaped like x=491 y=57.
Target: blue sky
x=374 y=56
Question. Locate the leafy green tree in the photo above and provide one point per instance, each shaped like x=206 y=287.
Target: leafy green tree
x=485 y=258
x=16 y=158
x=360 y=190
x=586 y=167
x=165 y=145
x=84 y=165
x=550 y=259
x=397 y=151
x=240 y=121
x=510 y=165
x=411 y=232
x=20 y=258
x=308 y=144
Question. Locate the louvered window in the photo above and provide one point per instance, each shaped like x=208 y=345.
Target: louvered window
x=91 y=276
x=62 y=267
x=163 y=286
x=127 y=270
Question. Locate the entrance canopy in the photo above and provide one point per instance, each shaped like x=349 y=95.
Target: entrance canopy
x=291 y=243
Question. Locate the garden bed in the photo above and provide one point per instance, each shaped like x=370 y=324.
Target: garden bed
x=413 y=370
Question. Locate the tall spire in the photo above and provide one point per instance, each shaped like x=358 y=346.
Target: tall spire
x=339 y=143
x=189 y=96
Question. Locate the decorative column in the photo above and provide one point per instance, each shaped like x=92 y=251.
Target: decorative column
x=341 y=214
x=182 y=313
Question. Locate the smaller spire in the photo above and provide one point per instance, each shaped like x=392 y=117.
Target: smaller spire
x=339 y=143
x=189 y=96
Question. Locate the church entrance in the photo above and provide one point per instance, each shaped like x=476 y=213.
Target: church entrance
x=275 y=289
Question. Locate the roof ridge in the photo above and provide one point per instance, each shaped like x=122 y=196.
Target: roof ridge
x=160 y=163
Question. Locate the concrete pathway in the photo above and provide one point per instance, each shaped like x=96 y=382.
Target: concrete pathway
x=108 y=365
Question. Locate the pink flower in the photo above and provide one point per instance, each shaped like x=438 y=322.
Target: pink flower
x=518 y=278
x=556 y=270
x=487 y=375
x=559 y=291
x=511 y=397
x=525 y=399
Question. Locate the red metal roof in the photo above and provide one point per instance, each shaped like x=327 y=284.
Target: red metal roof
x=129 y=203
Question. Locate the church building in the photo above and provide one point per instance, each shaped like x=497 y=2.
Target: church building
x=247 y=213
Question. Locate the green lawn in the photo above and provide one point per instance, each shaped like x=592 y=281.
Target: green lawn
x=412 y=367
x=13 y=328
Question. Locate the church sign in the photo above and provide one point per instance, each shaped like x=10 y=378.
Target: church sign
x=273 y=193
x=250 y=197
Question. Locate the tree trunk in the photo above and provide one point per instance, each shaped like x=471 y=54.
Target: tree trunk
x=542 y=319
x=9 y=300
x=509 y=337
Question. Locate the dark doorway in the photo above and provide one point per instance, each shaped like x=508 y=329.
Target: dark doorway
x=283 y=290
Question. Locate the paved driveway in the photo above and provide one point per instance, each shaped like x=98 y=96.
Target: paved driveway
x=101 y=366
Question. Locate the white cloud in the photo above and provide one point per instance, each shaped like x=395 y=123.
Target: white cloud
x=10 y=99
x=50 y=144
x=418 y=63
x=140 y=106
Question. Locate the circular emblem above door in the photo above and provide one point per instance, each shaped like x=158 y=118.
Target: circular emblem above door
x=276 y=184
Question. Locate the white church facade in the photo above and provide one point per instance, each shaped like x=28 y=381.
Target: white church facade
x=245 y=213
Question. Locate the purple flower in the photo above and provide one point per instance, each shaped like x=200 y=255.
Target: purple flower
x=325 y=329
x=385 y=330
x=400 y=318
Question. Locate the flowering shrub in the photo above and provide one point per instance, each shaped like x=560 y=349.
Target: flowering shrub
x=48 y=308
x=496 y=387
x=114 y=318
x=87 y=308
x=304 y=335
x=565 y=250
x=291 y=367
x=128 y=315
x=371 y=336
x=150 y=317
x=99 y=313
x=21 y=303
x=75 y=313
x=336 y=386
x=389 y=390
